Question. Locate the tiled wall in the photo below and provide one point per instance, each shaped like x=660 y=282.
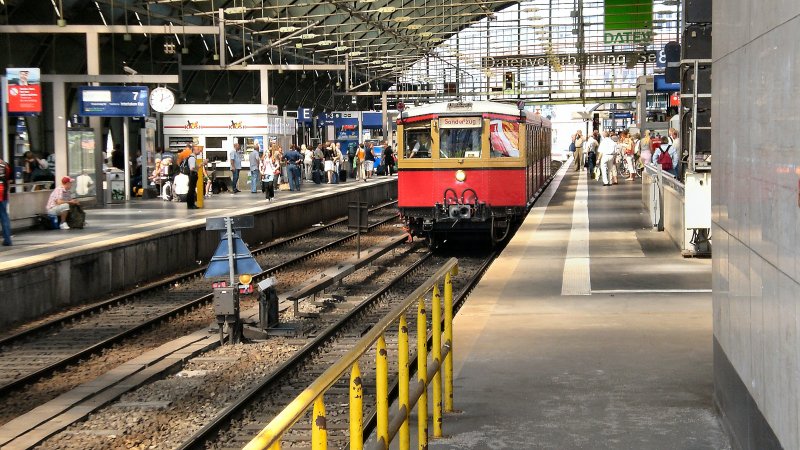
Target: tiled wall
x=756 y=202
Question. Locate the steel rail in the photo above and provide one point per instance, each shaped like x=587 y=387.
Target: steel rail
x=88 y=351
x=211 y=428
x=128 y=296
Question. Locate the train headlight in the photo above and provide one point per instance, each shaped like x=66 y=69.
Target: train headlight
x=461 y=175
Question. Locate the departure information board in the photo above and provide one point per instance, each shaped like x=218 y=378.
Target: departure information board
x=113 y=101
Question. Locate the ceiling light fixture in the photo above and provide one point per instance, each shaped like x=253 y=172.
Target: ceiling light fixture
x=426 y=34
x=325 y=42
x=288 y=29
x=356 y=53
x=236 y=10
x=414 y=26
x=340 y=48
x=387 y=9
x=308 y=36
x=401 y=19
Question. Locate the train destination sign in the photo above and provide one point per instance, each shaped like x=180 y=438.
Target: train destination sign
x=569 y=59
x=113 y=101
x=460 y=122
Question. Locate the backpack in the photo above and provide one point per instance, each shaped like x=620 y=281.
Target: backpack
x=184 y=167
x=665 y=159
x=572 y=147
x=76 y=217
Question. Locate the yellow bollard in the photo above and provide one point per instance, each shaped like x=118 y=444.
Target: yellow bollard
x=436 y=325
x=448 y=339
x=356 y=409
x=275 y=446
x=382 y=391
x=402 y=377
x=319 y=427
x=200 y=189
x=422 y=375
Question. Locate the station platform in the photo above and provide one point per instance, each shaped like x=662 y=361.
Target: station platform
x=124 y=245
x=589 y=331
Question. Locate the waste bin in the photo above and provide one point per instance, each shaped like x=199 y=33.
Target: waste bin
x=115 y=186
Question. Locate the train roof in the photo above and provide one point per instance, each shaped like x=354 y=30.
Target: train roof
x=477 y=107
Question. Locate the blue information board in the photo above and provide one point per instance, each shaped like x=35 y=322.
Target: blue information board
x=113 y=101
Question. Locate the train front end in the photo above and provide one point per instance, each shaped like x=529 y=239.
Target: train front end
x=461 y=169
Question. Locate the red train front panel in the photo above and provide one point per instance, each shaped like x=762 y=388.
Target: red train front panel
x=420 y=188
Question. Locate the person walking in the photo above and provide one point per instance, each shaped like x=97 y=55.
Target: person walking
x=5 y=182
x=254 y=160
x=578 y=151
x=235 y=158
x=645 y=149
x=608 y=152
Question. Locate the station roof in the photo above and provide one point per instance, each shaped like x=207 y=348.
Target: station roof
x=320 y=52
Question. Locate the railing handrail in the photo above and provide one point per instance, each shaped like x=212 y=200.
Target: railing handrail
x=279 y=425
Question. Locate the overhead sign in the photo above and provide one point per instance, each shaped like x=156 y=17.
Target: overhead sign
x=24 y=91
x=661 y=85
x=113 y=101
x=628 y=22
x=304 y=115
x=569 y=59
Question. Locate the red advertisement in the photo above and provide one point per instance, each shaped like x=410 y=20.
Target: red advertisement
x=675 y=99
x=24 y=90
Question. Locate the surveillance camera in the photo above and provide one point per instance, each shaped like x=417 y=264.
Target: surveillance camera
x=129 y=70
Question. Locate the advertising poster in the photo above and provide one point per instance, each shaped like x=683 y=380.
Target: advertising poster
x=628 y=22
x=24 y=90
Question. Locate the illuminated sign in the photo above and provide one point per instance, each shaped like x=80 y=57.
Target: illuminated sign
x=24 y=92
x=628 y=22
x=113 y=101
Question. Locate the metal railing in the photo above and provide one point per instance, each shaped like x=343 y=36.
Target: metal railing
x=664 y=197
x=439 y=375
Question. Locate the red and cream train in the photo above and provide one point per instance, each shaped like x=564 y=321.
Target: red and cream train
x=469 y=167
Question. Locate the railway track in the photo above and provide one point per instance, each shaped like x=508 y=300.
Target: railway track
x=214 y=395
x=53 y=345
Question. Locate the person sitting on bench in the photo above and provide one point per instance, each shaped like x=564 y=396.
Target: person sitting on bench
x=60 y=200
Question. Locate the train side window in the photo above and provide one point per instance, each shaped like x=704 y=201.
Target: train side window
x=417 y=142
x=504 y=138
x=460 y=143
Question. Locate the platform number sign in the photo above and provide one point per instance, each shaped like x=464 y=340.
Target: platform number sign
x=661 y=59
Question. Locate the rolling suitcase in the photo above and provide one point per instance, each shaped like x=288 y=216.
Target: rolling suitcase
x=316 y=176
x=342 y=175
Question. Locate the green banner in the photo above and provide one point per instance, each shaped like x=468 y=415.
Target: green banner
x=628 y=22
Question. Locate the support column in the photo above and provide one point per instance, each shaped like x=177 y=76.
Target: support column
x=385 y=117
x=96 y=123
x=263 y=75
x=60 y=129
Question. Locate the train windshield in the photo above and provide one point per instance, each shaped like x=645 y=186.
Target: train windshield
x=460 y=143
x=417 y=142
x=504 y=137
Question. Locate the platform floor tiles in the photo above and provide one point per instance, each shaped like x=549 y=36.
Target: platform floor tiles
x=121 y=221
x=590 y=332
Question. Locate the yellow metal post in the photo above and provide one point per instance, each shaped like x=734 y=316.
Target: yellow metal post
x=275 y=446
x=402 y=376
x=319 y=427
x=448 y=339
x=382 y=391
x=356 y=409
x=422 y=375
x=436 y=325
x=200 y=188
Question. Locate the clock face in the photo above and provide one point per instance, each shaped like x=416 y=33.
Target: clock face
x=162 y=99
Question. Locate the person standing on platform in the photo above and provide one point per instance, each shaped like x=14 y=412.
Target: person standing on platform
x=255 y=160
x=308 y=156
x=236 y=165
x=388 y=158
x=578 y=151
x=369 y=160
x=191 y=196
x=5 y=181
x=293 y=161
x=267 y=176
x=645 y=149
